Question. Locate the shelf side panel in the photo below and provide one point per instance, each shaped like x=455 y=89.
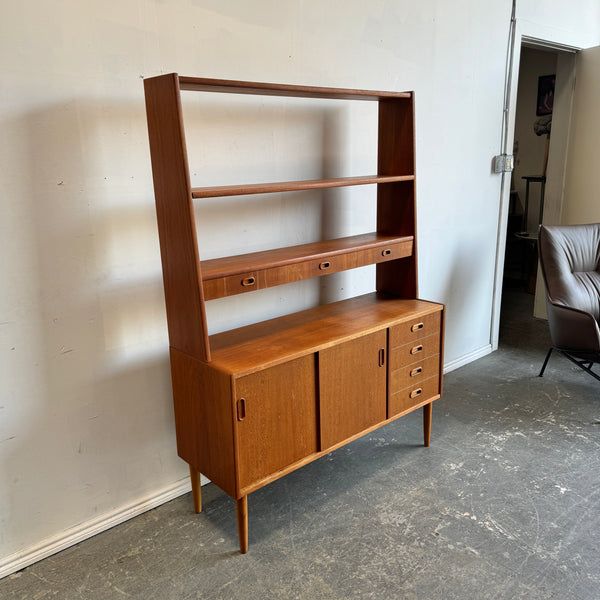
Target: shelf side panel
x=204 y=419
x=396 y=214
x=176 y=225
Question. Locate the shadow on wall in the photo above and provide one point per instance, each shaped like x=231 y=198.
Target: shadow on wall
x=240 y=139
x=95 y=435
x=98 y=433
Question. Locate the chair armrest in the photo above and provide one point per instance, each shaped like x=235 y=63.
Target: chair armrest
x=573 y=329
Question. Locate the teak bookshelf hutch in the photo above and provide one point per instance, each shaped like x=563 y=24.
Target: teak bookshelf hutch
x=255 y=403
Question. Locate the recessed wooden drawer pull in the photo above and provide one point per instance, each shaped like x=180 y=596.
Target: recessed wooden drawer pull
x=386 y=252
x=382 y=357
x=416 y=349
x=241 y=409
x=416 y=392
x=248 y=281
x=416 y=371
x=324 y=265
x=417 y=326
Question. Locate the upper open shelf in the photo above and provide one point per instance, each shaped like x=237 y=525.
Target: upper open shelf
x=294 y=186
x=201 y=84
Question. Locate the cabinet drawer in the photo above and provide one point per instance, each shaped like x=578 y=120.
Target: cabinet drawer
x=415 y=329
x=414 y=374
x=412 y=396
x=234 y=284
x=335 y=262
x=416 y=351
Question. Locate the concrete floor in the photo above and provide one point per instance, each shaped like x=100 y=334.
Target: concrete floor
x=503 y=505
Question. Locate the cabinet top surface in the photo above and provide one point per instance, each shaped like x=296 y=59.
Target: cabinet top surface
x=276 y=89
x=261 y=345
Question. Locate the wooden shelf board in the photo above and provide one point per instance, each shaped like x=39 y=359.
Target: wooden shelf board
x=261 y=345
x=276 y=89
x=217 y=268
x=294 y=186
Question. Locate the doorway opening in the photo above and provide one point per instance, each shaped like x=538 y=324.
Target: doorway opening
x=538 y=138
x=531 y=144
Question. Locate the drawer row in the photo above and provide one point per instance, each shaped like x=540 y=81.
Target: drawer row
x=414 y=363
x=297 y=271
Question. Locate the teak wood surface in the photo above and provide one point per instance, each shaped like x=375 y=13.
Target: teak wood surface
x=279 y=423
x=293 y=186
x=245 y=273
x=278 y=257
x=260 y=345
x=396 y=202
x=203 y=84
x=352 y=387
x=184 y=295
x=255 y=403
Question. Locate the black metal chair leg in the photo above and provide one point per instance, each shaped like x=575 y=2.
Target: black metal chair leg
x=546 y=361
x=580 y=363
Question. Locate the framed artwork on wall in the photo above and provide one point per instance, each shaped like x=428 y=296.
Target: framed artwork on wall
x=545 y=95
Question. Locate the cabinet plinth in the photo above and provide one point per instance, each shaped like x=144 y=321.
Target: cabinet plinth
x=255 y=403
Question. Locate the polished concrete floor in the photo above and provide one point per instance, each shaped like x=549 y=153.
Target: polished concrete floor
x=504 y=504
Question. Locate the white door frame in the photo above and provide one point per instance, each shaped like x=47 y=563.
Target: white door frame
x=557 y=153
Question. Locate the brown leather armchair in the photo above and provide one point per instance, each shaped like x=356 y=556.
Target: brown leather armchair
x=570 y=260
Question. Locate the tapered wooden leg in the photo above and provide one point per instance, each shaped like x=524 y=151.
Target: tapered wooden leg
x=242 y=522
x=196 y=493
x=427 y=423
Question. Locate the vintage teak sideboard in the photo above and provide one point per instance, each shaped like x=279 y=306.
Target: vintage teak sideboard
x=257 y=402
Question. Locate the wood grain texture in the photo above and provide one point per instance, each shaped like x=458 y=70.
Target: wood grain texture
x=308 y=459
x=396 y=203
x=396 y=151
x=293 y=186
x=414 y=396
x=241 y=506
x=255 y=403
x=279 y=424
x=415 y=373
x=204 y=419
x=412 y=330
x=176 y=226
x=196 y=489
x=282 y=89
x=415 y=351
x=352 y=388
x=260 y=345
x=238 y=274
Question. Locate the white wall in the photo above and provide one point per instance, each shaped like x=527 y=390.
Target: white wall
x=86 y=431
x=582 y=197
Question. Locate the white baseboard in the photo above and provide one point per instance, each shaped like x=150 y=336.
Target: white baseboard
x=74 y=535
x=467 y=358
